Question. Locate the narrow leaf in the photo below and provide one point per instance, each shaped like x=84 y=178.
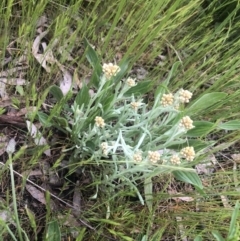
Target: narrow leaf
x=43 y=118
x=56 y=92
x=53 y=232
x=83 y=96
x=141 y=88
x=107 y=102
x=31 y=218
x=172 y=72
x=205 y=102
x=94 y=61
x=201 y=128
x=148 y=186
x=188 y=177
x=198 y=238
x=161 y=89
x=123 y=70
x=230 y=125
x=217 y=236
x=91 y=55
x=233 y=224
x=60 y=121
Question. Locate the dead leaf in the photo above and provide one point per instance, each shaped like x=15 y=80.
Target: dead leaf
x=66 y=82
x=76 y=81
x=77 y=198
x=10 y=81
x=69 y=220
x=225 y=201
x=37 y=194
x=37 y=42
x=6 y=61
x=66 y=52
x=29 y=173
x=236 y=157
x=11 y=146
x=204 y=168
x=13 y=81
x=10 y=72
x=141 y=73
x=3 y=143
x=5 y=102
x=5 y=216
x=3 y=92
x=184 y=198
x=46 y=57
x=207 y=167
x=42 y=22
x=24 y=111
x=37 y=136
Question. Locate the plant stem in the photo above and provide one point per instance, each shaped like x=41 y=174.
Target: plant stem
x=14 y=198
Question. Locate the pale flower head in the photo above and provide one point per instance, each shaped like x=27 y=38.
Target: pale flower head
x=184 y=96
x=99 y=121
x=130 y=82
x=135 y=105
x=104 y=146
x=153 y=156
x=175 y=159
x=167 y=99
x=110 y=70
x=186 y=122
x=188 y=153
x=137 y=157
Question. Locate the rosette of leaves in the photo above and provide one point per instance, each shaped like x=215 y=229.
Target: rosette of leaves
x=131 y=127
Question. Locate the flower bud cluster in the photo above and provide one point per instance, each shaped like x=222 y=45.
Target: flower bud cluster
x=130 y=82
x=99 y=121
x=135 y=105
x=137 y=157
x=186 y=123
x=110 y=70
x=104 y=146
x=153 y=156
x=188 y=153
x=182 y=96
x=167 y=99
x=175 y=159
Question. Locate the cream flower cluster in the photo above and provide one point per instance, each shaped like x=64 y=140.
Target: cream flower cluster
x=184 y=96
x=167 y=99
x=153 y=156
x=188 y=153
x=186 y=122
x=130 y=82
x=135 y=105
x=104 y=147
x=137 y=157
x=110 y=70
x=175 y=159
x=99 y=121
